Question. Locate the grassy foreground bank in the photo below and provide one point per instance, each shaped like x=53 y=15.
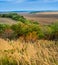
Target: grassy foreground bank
x=42 y=52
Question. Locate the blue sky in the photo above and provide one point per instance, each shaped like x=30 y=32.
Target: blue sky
x=20 y=5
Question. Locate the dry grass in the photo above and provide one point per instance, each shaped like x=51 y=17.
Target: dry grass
x=17 y=52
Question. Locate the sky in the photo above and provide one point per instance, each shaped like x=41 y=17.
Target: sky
x=28 y=5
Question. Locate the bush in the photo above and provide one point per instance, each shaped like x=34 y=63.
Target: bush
x=54 y=28
x=8 y=33
x=7 y=61
x=21 y=29
x=26 y=28
x=47 y=32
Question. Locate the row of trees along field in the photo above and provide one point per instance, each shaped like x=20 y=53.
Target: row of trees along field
x=13 y=16
x=27 y=30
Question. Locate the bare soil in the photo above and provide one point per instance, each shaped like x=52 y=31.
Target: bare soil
x=43 y=17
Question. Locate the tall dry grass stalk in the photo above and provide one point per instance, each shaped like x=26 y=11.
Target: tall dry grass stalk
x=15 y=52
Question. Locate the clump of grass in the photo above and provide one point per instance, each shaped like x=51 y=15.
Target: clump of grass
x=16 y=52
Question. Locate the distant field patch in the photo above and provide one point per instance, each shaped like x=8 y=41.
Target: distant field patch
x=43 y=17
x=7 y=21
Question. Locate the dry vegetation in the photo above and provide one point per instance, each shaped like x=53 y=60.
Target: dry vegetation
x=27 y=42
x=17 y=52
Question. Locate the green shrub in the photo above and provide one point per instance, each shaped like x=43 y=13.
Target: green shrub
x=7 y=61
x=24 y=27
x=54 y=28
x=14 y=16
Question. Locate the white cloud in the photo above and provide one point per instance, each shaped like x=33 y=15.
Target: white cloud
x=49 y=0
x=16 y=1
x=20 y=1
x=40 y=1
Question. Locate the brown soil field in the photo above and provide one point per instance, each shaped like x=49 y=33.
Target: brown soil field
x=7 y=21
x=43 y=17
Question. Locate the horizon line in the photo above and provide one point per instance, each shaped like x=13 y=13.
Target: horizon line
x=26 y=10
